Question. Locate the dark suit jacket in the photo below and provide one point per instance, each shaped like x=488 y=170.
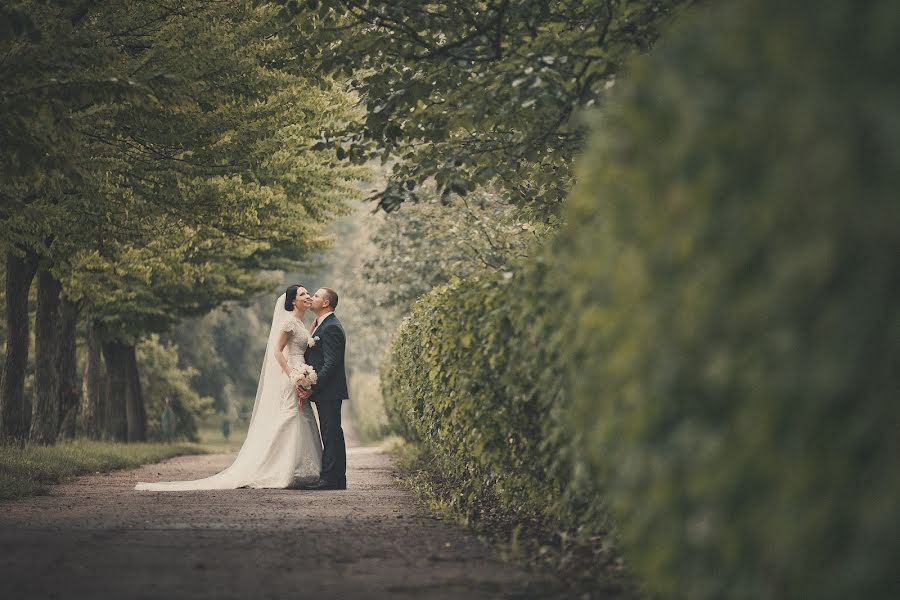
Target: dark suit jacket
x=327 y=358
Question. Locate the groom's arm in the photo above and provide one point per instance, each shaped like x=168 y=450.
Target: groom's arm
x=333 y=343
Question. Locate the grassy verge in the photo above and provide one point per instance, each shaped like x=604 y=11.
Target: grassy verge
x=211 y=438
x=590 y=566
x=32 y=469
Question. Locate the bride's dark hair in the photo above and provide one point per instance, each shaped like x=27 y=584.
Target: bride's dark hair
x=289 y=295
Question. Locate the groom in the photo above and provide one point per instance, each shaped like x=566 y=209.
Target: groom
x=329 y=392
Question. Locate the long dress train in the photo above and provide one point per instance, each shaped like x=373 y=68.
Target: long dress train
x=283 y=447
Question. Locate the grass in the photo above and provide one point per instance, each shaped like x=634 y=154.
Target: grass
x=209 y=431
x=32 y=469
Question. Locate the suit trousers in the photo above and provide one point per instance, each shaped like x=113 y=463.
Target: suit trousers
x=334 y=450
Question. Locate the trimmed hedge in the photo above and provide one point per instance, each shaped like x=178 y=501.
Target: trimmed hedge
x=734 y=253
x=473 y=377
x=727 y=289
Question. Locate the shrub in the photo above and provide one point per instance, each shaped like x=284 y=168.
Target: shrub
x=734 y=259
x=473 y=377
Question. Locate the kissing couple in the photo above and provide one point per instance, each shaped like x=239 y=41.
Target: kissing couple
x=284 y=447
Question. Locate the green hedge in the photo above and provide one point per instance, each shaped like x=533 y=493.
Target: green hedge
x=473 y=376
x=734 y=253
x=724 y=310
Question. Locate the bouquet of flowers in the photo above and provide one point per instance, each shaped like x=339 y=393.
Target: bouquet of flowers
x=303 y=377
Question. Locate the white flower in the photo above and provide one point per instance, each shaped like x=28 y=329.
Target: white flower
x=304 y=376
x=312 y=342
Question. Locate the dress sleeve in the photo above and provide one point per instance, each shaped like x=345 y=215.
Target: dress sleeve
x=289 y=325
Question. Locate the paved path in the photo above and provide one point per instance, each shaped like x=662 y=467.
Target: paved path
x=97 y=538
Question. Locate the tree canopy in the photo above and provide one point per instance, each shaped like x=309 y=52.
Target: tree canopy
x=472 y=93
x=158 y=157
x=200 y=174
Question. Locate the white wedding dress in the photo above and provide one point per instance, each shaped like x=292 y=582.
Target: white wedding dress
x=283 y=447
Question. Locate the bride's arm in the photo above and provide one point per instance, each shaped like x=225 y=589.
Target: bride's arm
x=278 y=353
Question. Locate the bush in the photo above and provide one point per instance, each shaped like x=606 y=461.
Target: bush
x=734 y=259
x=162 y=378
x=473 y=378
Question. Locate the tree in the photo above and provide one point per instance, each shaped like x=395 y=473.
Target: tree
x=14 y=411
x=164 y=381
x=430 y=242
x=225 y=348
x=205 y=159
x=42 y=110
x=476 y=93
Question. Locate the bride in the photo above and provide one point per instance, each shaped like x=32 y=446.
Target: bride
x=283 y=448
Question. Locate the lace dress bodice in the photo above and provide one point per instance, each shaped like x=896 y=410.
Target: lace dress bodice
x=297 y=341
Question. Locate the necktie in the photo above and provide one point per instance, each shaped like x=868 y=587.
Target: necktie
x=314 y=325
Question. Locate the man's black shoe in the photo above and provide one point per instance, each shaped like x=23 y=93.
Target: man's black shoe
x=325 y=485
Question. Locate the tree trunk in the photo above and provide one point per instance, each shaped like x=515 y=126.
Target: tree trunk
x=67 y=368
x=14 y=409
x=93 y=413
x=116 y=421
x=45 y=410
x=134 y=404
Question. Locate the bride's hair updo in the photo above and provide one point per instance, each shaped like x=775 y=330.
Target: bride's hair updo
x=289 y=296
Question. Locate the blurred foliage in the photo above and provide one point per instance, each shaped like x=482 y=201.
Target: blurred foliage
x=428 y=243
x=733 y=261
x=473 y=93
x=161 y=380
x=367 y=320
x=720 y=369
x=367 y=406
x=344 y=267
x=209 y=431
x=225 y=350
